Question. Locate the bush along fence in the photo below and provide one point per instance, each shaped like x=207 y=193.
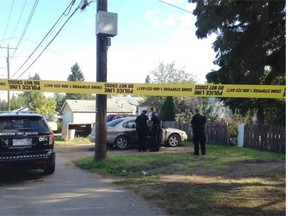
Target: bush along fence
x=257 y=136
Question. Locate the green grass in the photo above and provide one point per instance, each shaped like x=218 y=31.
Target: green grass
x=226 y=181
x=63 y=142
x=130 y=164
x=219 y=157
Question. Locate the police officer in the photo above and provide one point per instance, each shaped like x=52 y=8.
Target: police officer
x=142 y=130
x=198 y=124
x=156 y=130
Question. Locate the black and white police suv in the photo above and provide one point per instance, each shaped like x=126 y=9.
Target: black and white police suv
x=26 y=141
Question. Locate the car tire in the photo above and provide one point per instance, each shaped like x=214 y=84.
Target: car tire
x=49 y=169
x=173 y=140
x=121 y=142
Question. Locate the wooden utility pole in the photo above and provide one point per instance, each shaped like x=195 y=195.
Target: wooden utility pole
x=101 y=100
x=8 y=73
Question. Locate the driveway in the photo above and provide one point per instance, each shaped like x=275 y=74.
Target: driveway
x=69 y=191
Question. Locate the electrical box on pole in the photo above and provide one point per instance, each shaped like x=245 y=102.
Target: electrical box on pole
x=106 y=23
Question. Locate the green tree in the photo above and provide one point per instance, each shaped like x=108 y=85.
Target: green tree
x=147 y=79
x=35 y=77
x=3 y=105
x=168 y=109
x=168 y=73
x=21 y=100
x=42 y=105
x=77 y=75
x=250 y=47
x=17 y=102
x=60 y=99
x=26 y=96
x=35 y=101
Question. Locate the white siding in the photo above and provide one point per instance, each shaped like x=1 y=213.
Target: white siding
x=67 y=118
x=84 y=117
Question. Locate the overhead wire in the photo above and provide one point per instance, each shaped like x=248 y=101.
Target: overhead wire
x=8 y=21
x=26 y=26
x=49 y=42
x=69 y=6
x=60 y=55
x=47 y=34
x=18 y=21
x=172 y=5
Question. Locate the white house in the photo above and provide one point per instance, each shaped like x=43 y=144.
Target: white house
x=80 y=115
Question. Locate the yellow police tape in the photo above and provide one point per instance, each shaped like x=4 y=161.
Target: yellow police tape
x=144 y=89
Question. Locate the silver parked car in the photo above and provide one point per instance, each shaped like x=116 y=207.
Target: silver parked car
x=121 y=133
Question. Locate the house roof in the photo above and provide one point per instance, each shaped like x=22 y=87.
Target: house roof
x=114 y=105
x=80 y=105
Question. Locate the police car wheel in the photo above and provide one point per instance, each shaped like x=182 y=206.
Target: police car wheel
x=49 y=169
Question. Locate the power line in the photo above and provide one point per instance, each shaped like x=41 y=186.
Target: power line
x=49 y=43
x=61 y=55
x=8 y=21
x=47 y=34
x=27 y=25
x=19 y=20
x=187 y=11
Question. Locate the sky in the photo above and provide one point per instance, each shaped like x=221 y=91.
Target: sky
x=149 y=32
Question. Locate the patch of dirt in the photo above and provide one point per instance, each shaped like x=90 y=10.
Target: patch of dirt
x=252 y=169
x=77 y=151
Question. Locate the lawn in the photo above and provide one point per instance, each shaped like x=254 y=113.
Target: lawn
x=226 y=181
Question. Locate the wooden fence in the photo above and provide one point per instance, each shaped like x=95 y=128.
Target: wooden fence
x=265 y=137
x=216 y=133
x=261 y=137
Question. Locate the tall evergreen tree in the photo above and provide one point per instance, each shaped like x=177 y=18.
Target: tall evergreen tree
x=168 y=110
x=147 y=79
x=250 y=47
x=77 y=75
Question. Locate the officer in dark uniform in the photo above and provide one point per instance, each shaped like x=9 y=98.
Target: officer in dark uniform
x=198 y=124
x=156 y=130
x=142 y=130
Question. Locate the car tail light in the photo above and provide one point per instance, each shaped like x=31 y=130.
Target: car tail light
x=51 y=138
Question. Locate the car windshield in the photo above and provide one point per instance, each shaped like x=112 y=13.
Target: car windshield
x=23 y=124
x=114 y=122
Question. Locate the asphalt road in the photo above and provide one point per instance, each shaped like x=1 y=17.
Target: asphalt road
x=69 y=191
